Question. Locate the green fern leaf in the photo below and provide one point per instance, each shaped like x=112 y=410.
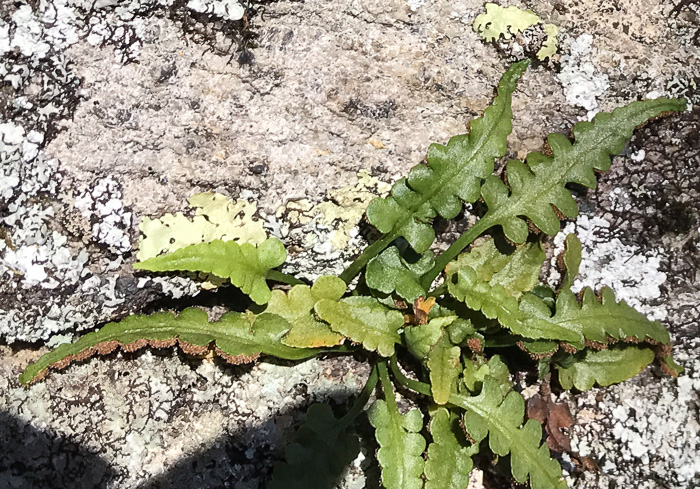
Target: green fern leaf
x=538 y=186
x=592 y=319
x=238 y=338
x=321 y=451
x=389 y=272
x=400 y=445
x=501 y=419
x=421 y=339
x=477 y=370
x=443 y=364
x=449 y=461
x=516 y=272
x=364 y=320
x=572 y=322
x=571 y=259
x=453 y=175
x=605 y=367
x=244 y=264
x=297 y=307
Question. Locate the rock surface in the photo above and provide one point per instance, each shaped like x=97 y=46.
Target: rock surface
x=115 y=110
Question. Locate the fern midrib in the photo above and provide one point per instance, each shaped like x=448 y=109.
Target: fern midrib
x=515 y=443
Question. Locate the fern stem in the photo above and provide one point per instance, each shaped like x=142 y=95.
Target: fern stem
x=455 y=249
x=283 y=278
x=359 y=405
x=370 y=252
x=386 y=386
x=414 y=385
x=438 y=291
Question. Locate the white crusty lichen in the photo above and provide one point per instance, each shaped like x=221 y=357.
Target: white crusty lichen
x=111 y=222
x=643 y=432
x=579 y=77
x=226 y=9
x=632 y=273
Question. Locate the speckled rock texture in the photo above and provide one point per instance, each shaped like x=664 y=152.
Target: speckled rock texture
x=113 y=110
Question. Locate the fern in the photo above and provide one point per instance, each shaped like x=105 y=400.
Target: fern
x=604 y=367
x=491 y=300
x=319 y=454
x=244 y=264
x=501 y=419
x=237 y=338
x=449 y=461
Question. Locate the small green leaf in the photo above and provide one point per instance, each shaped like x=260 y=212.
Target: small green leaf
x=297 y=307
x=391 y=272
x=605 y=367
x=572 y=260
x=400 y=445
x=364 y=320
x=449 y=461
x=443 y=363
x=421 y=339
x=321 y=451
x=477 y=370
x=244 y=264
x=238 y=338
x=517 y=271
x=501 y=418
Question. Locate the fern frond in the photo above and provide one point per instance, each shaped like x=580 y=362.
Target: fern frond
x=321 y=451
x=364 y=320
x=536 y=188
x=601 y=321
x=400 y=445
x=572 y=260
x=501 y=419
x=604 y=367
x=453 y=175
x=515 y=272
x=443 y=364
x=297 y=307
x=238 y=338
x=449 y=461
x=389 y=272
x=244 y=264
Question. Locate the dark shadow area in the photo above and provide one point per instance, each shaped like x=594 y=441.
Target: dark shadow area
x=31 y=458
x=35 y=459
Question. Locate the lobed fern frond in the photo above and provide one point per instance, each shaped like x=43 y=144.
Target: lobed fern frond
x=237 y=337
x=244 y=264
x=400 y=445
x=604 y=367
x=363 y=320
x=297 y=307
x=453 y=175
x=322 y=449
x=500 y=417
x=449 y=461
x=537 y=188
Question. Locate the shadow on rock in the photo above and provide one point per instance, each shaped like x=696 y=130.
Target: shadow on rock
x=34 y=459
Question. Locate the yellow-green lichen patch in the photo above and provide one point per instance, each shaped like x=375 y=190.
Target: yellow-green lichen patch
x=216 y=217
x=340 y=213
